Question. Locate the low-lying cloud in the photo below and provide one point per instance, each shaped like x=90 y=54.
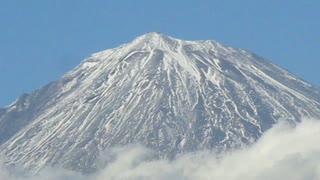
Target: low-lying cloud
x=284 y=152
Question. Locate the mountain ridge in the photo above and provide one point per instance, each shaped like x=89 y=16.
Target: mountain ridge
x=171 y=95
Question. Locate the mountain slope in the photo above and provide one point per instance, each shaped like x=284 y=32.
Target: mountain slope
x=171 y=95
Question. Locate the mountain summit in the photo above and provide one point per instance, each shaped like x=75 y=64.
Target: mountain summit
x=171 y=95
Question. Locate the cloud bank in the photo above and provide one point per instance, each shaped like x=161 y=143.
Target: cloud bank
x=284 y=152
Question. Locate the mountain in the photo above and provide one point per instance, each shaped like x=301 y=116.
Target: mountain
x=171 y=95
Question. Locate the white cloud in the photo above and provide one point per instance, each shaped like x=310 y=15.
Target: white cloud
x=283 y=152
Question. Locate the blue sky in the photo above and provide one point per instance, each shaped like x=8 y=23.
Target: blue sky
x=42 y=40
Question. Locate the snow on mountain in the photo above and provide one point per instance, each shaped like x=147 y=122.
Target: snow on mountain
x=170 y=95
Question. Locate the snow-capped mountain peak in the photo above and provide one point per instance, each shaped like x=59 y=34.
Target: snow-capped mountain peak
x=171 y=95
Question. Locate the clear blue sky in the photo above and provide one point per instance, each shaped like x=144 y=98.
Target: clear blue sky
x=40 y=40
